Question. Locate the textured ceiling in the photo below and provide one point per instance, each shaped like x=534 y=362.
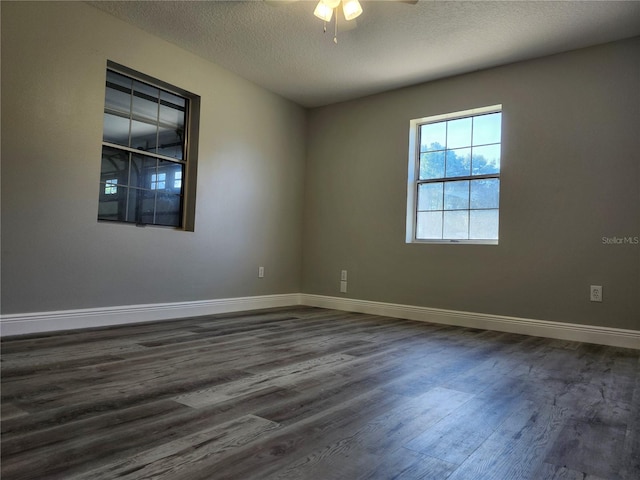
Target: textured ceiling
x=281 y=45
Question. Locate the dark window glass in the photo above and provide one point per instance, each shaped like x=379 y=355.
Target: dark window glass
x=143 y=154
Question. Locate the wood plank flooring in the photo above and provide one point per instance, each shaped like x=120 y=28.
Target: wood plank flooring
x=306 y=393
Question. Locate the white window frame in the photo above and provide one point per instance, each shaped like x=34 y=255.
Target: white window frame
x=413 y=174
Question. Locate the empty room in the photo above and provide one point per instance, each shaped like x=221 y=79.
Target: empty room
x=320 y=240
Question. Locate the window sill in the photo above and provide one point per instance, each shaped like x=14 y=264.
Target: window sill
x=454 y=242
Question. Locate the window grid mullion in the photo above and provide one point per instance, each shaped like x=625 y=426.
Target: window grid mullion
x=469 y=195
x=143 y=152
x=459 y=179
x=129 y=160
x=158 y=122
x=446 y=143
x=130 y=114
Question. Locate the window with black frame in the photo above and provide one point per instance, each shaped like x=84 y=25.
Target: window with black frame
x=144 y=152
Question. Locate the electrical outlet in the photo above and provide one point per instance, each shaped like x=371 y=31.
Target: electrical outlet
x=343 y=275
x=260 y=272
x=596 y=293
x=343 y=287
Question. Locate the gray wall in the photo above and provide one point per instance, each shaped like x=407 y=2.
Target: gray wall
x=55 y=255
x=570 y=175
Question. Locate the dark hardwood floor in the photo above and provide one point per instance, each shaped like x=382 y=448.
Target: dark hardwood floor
x=306 y=393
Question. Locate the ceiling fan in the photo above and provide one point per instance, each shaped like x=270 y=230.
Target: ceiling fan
x=325 y=11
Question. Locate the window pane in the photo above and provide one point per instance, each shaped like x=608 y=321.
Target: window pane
x=429 y=225
x=118 y=100
x=141 y=205
x=172 y=100
x=172 y=116
x=145 y=102
x=171 y=125
x=459 y=133
x=430 y=196
x=119 y=80
x=433 y=136
x=483 y=224
x=486 y=159
x=114 y=166
x=170 y=141
x=485 y=193
x=456 y=195
x=432 y=165
x=456 y=224
x=142 y=168
x=144 y=136
x=459 y=162
x=116 y=129
x=486 y=128
x=112 y=206
x=168 y=209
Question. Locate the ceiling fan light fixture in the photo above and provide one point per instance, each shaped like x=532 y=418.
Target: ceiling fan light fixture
x=351 y=9
x=323 y=11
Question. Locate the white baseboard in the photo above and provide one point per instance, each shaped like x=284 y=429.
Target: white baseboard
x=616 y=337
x=21 y=324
